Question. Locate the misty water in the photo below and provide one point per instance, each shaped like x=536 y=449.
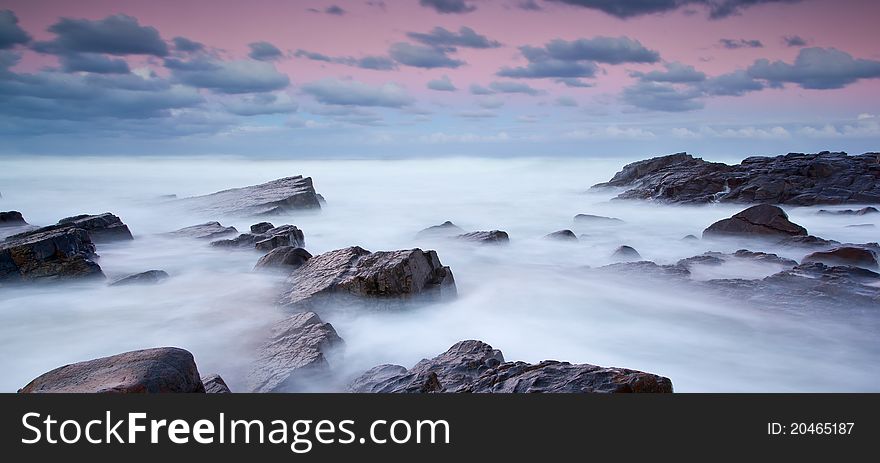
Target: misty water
x=531 y=298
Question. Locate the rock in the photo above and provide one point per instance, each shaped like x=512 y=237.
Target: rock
x=164 y=369
x=764 y=257
x=562 y=235
x=760 y=221
x=845 y=255
x=295 y=355
x=214 y=384
x=284 y=257
x=627 y=254
x=474 y=366
x=795 y=178
x=862 y=211
x=646 y=269
x=690 y=238
x=276 y=197
x=486 y=237
x=285 y=235
x=718 y=258
x=444 y=230
x=150 y=277
x=11 y=219
x=596 y=219
x=381 y=278
x=49 y=254
x=205 y=231
x=861 y=225
x=808 y=241
x=260 y=228
x=102 y=228
x=709 y=258
x=245 y=240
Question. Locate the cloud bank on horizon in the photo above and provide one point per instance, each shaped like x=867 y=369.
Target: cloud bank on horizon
x=470 y=77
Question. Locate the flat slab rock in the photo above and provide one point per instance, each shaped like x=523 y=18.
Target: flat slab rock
x=51 y=254
x=160 y=370
x=795 y=178
x=266 y=240
x=270 y=198
x=102 y=228
x=204 y=231
x=474 y=366
x=150 y=277
x=354 y=274
x=485 y=237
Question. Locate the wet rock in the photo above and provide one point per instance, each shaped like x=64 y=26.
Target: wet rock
x=475 y=367
x=808 y=241
x=562 y=235
x=718 y=258
x=690 y=238
x=647 y=269
x=285 y=235
x=596 y=220
x=214 y=384
x=485 y=237
x=48 y=255
x=295 y=355
x=444 y=230
x=102 y=228
x=760 y=221
x=626 y=254
x=11 y=219
x=383 y=278
x=164 y=369
x=795 y=178
x=205 y=231
x=764 y=257
x=150 y=277
x=862 y=211
x=271 y=198
x=284 y=257
x=845 y=255
x=245 y=240
x=260 y=228
x=709 y=258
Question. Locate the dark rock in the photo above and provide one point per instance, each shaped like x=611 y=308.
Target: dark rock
x=355 y=274
x=272 y=198
x=764 y=257
x=562 y=235
x=150 y=277
x=845 y=255
x=214 y=384
x=626 y=253
x=474 y=366
x=444 y=230
x=861 y=225
x=47 y=255
x=709 y=258
x=285 y=235
x=808 y=241
x=11 y=219
x=486 y=237
x=862 y=211
x=647 y=269
x=205 y=231
x=284 y=257
x=690 y=238
x=718 y=258
x=164 y=369
x=760 y=221
x=102 y=228
x=596 y=219
x=245 y=240
x=295 y=355
x=795 y=178
x=260 y=228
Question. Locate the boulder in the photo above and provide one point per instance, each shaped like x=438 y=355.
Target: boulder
x=295 y=355
x=475 y=367
x=845 y=255
x=862 y=211
x=245 y=240
x=262 y=227
x=102 y=228
x=444 y=230
x=591 y=219
x=49 y=254
x=11 y=219
x=690 y=238
x=760 y=221
x=285 y=235
x=485 y=237
x=796 y=179
x=205 y=231
x=164 y=369
x=626 y=254
x=150 y=277
x=357 y=275
x=562 y=235
x=214 y=384
x=271 y=198
x=284 y=257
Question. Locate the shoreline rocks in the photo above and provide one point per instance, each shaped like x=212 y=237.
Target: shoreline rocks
x=562 y=235
x=596 y=220
x=150 y=277
x=761 y=221
x=844 y=255
x=102 y=228
x=485 y=237
x=204 y=231
x=268 y=239
x=862 y=211
x=56 y=253
x=279 y=196
x=626 y=254
x=11 y=219
x=444 y=230
x=283 y=257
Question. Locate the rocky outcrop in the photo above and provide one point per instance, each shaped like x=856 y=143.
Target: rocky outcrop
x=718 y=258
x=205 y=231
x=795 y=178
x=164 y=369
x=444 y=230
x=260 y=228
x=485 y=237
x=626 y=254
x=383 y=278
x=284 y=258
x=845 y=255
x=295 y=355
x=102 y=228
x=862 y=211
x=474 y=366
x=645 y=269
x=590 y=219
x=268 y=239
x=150 y=277
x=760 y=221
x=562 y=235
x=271 y=198
x=11 y=219
x=214 y=384
x=48 y=255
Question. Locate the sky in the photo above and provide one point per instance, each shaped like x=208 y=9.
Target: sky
x=409 y=78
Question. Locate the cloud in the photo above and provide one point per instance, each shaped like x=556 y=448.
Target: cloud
x=794 y=41
x=662 y=97
x=528 y=5
x=577 y=58
x=261 y=104
x=264 y=51
x=354 y=93
x=675 y=73
x=682 y=88
x=448 y=6
x=11 y=34
x=735 y=83
x=480 y=90
x=513 y=87
x=334 y=10
x=239 y=76
x=91 y=62
x=625 y=9
x=816 y=68
x=566 y=101
x=490 y=102
x=551 y=68
x=376 y=63
x=734 y=44
x=480 y=114
x=186 y=45
x=114 y=35
x=443 y=84
x=422 y=57
x=466 y=37
x=573 y=83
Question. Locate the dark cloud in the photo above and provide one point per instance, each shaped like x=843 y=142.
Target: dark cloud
x=448 y=6
x=794 y=41
x=625 y=9
x=733 y=44
x=816 y=68
x=674 y=73
x=353 y=93
x=243 y=76
x=264 y=51
x=573 y=83
x=422 y=57
x=736 y=83
x=682 y=88
x=551 y=68
x=114 y=35
x=91 y=62
x=376 y=63
x=513 y=87
x=261 y=104
x=528 y=5
x=443 y=84
x=442 y=38
x=608 y=50
x=186 y=45
x=662 y=97
x=334 y=10
x=10 y=32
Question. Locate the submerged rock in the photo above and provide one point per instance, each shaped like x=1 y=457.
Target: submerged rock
x=214 y=384
x=626 y=254
x=47 y=255
x=164 y=369
x=271 y=198
x=444 y=230
x=596 y=220
x=150 y=277
x=355 y=274
x=284 y=257
x=845 y=255
x=485 y=237
x=760 y=221
x=862 y=211
x=205 y=231
x=11 y=219
x=474 y=366
x=718 y=258
x=562 y=235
